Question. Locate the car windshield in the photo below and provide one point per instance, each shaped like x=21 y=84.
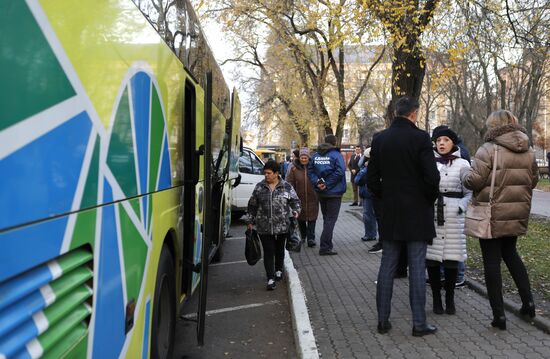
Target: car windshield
x=249 y=163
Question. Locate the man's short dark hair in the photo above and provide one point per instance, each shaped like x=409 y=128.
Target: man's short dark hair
x=406 y=105
x=331 y=139
x=271 y=165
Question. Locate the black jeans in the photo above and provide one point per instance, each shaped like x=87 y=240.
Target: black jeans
x=274 y=253
x=330 y=208
x=493 y=250
x=307 y=230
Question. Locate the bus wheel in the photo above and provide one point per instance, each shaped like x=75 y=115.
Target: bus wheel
x=164 y=311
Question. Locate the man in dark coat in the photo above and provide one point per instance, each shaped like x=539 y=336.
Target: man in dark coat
x=402 y=172
x=354 y=168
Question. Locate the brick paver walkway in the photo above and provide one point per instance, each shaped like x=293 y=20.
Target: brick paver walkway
x=341 y=290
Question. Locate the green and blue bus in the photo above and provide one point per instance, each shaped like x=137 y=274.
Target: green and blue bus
x=118 y=146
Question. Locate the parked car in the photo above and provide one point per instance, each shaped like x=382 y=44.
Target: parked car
x=251 y=171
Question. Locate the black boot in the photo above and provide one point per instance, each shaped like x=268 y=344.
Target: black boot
x=499 y=322
x=450 y=281
x=435 y=282
x=528 y=309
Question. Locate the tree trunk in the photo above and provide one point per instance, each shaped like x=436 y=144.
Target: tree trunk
x=407 y=74
x=340 y=125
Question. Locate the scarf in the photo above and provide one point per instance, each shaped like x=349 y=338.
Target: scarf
x=446 y=159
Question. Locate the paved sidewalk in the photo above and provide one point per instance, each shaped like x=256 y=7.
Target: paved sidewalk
x=341 y=290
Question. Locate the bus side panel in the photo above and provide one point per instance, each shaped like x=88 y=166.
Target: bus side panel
x=110 y=136
x=165 y=212
x=113 y=133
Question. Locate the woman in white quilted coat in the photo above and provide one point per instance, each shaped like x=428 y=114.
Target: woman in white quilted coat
x=449 y=245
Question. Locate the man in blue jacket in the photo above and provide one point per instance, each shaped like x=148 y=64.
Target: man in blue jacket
x=327 y=173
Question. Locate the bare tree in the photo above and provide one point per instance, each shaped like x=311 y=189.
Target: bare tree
x=315 y=36
x=405 y=20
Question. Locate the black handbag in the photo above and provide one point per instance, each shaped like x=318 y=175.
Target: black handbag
x=294 y=240
x=252 y=248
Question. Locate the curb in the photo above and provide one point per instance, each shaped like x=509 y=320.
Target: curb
x=513 y=307
x=303 y=333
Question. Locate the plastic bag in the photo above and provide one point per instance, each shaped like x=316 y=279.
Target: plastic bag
x=294 y=241
x=252 y=248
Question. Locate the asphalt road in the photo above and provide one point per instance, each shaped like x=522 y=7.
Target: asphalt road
x=541 y=203
x=243 y=319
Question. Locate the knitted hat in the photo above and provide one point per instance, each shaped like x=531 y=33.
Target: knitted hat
x=304 y=151
x=444 y=130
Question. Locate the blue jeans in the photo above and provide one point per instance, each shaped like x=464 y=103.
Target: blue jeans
x=369 y=219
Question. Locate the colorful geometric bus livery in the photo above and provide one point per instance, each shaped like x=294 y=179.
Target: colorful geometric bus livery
x=88 y=196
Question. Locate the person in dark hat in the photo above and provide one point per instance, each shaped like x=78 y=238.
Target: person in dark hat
x=464 y=153
x=445 y=130
x=449 y=245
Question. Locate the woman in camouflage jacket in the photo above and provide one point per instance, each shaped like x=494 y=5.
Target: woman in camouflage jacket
x=272 y=204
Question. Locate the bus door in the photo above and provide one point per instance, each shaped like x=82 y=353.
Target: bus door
x=191 y=168
x=209 y=230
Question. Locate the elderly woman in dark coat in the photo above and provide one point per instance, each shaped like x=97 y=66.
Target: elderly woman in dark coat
x=297 y=177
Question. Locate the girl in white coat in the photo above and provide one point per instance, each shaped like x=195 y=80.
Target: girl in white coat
x=449 y=246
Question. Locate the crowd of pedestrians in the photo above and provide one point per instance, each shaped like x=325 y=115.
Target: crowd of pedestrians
x=415 y=190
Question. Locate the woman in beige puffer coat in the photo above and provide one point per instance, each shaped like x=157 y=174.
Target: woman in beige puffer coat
x=516 y=176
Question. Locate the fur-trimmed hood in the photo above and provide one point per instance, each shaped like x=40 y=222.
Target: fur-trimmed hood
x=512 y=136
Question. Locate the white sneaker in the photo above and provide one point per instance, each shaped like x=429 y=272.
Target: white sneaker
x=278 y=275
x=271 y=284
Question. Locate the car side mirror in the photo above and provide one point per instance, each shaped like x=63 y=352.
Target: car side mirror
x=237 y=181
